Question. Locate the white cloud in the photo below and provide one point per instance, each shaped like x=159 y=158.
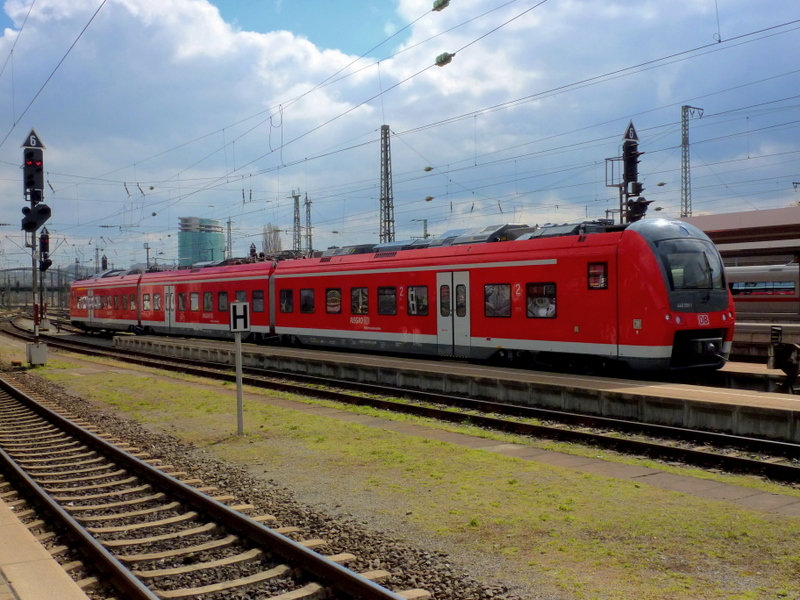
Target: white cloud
x=166 y=93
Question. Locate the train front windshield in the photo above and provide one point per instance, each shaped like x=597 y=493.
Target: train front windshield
x=691 y=264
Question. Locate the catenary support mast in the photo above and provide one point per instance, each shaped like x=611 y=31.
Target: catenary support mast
x=387 y=199
x=686 y=172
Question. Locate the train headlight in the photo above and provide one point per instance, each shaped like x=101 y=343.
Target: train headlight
x=668 y=317
x=678 y=320
x=724 y=317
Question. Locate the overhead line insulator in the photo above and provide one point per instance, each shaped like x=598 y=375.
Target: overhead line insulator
x=444 y=59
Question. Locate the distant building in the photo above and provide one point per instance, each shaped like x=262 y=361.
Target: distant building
x=200 y=240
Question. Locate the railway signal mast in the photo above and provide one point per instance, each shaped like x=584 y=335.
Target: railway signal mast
x=635 y=204
x=34 y=216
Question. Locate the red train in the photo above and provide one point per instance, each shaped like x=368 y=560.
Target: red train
x=649 y=295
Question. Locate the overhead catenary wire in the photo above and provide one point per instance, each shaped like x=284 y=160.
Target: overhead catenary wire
x=229 y=172
x=49 y=77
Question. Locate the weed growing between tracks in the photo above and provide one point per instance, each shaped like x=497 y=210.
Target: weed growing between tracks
x=587 y=535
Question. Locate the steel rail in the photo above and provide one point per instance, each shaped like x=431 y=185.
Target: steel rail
x=307 y=560
x=777 y=471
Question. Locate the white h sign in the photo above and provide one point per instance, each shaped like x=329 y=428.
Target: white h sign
x=240 y=317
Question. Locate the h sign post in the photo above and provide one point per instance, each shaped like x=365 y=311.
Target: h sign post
x=239 y=322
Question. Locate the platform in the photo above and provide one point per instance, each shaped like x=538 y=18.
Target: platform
x=737 y=411
x=27 y=571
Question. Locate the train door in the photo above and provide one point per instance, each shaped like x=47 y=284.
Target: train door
x=90 y=305
x=169 y=306
x=453 y=331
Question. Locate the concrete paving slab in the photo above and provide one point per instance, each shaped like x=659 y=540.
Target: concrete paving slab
x=766 y=501
x=731 y=493
x=789 y=510
x=680 y=483
x=523 y=452
x=27 y=567
x=617 y=470
x=568 y=461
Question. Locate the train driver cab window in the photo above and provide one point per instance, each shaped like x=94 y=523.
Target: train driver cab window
x=333 y=301
x=182 y=301
x=387 y=300
x=146 y=302
x=598 y=276
x=418 y=300
x=461 y=300
x=691 y=264
x=258 y=300
x=241 y=296
x=359 y=301
x=156 y=301
x=222 y=301
x=307 y=301
x=194 y=301
x=541 y=300
x=287 y=301
x=133 y=301
x=444 y=300
x=497 y=299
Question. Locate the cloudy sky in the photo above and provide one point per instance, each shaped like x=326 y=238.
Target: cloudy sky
x=152 y=110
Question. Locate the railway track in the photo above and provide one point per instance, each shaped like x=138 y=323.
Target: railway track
x=148 y=531
x=775 y=460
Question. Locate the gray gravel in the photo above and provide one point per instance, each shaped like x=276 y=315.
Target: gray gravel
x=368 y=531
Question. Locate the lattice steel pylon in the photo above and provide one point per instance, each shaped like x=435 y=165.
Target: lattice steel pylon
x=296 y=236
x=387 y=199
x=309 y=245
x=686 y=171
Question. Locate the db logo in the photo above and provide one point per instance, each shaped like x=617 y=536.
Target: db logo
x=703 y=320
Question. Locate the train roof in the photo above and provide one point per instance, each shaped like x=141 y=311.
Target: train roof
x=472 y=245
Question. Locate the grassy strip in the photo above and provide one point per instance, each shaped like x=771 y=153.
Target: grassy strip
x=591 y=536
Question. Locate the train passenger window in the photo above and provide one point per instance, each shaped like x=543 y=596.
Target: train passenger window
x=307 y=301
x=222 y=301
x=444 y=300
x=194 y=301
x=146 y=302
x=497 y=299
x=541 y=300
x=116 y=302
x=124 y=302
x=156 y=301
x=133 y=301
x=287 y=301
x=418 y=300
x=208 y=301
x=461 y=300
x=241 y=296
x=598 y=276
x=182 y=301
x=763 y=288
x=258 y=300
x=359 y=301
x=387 y=301
x=333 y=301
